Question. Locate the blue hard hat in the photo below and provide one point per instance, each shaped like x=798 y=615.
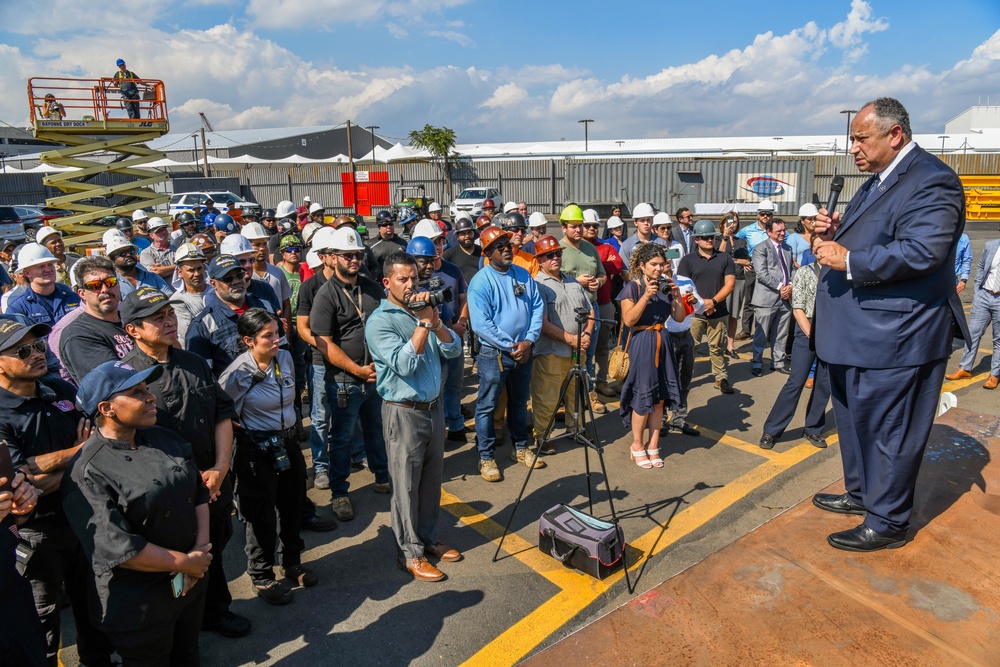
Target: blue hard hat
x=421 y=246
x=120 y=62
x=225 y=223
x=406 y=216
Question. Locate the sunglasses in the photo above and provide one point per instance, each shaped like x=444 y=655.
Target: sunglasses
x=705 y=238
x=232 y=277
x=553 y=254
x=246 y=261
x=351 y=255
x=95 y=285
x=503 y=245
x=591 y=226
x=766 y=214
x=125 y=253
x=292 y=249
x=24 y=351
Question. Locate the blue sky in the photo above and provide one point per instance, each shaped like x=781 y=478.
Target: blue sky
x=521 y=71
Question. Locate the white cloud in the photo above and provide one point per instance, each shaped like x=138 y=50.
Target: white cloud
x=859 y=22
x=273 y=14
x=505 y=96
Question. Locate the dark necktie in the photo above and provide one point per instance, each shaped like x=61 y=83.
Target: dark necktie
x=784 y=266
x=872 y=188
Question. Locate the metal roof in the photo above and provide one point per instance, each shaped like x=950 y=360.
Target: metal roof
x=236 y=138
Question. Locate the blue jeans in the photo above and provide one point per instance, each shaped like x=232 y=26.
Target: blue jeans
x=453 y=371
x=985 y=309
x=364 y=407
x=319 y=431
x=592 y=351
x=496 y=370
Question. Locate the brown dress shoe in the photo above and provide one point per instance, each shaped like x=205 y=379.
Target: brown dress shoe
x=960 y=374
x=420 y=569
x=991 y=382
x=443 y=551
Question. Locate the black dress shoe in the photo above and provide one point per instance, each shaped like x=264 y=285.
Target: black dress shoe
x=767 y=441
x=227 y=624
x=457 y=436
x=816 y=440
x=864 y=538
x=318 y=524
x=733 y=354
x=687 y=429
x=756 y=372
x=839 y=504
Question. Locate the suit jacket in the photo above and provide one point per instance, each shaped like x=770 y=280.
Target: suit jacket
x=900 y=307
x=985 y=262
x=677 y=234
x=769 y=275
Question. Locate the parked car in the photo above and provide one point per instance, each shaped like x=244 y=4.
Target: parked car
x=224 y=201
x=36 y=216
x=471 y=201
x=11 y=226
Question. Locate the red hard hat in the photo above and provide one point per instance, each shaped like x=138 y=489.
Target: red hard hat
x=489 y=204
x=482 y=221
x=546 y=244
x=491 y=234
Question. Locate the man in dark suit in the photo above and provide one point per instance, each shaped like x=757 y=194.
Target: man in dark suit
x=886 y=310
x=683 y=233
x=772 y=294
x=985 y=309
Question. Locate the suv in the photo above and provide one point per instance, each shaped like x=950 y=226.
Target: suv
x=471 y=201
x=11 y=226
x=36 y=216
x=224 y=201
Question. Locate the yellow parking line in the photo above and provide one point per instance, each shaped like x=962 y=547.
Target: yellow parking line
x=578 y=590
x=736 y=443
x=955 y=385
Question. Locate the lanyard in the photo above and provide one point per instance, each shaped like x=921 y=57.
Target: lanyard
x=357 y=306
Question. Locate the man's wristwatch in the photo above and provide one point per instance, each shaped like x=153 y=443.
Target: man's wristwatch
x=425 y=325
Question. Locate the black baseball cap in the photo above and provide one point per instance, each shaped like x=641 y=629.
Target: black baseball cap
x=12 y=331
x=222 y=265
x=141 y=303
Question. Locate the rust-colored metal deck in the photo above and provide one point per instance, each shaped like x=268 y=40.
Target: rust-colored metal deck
x=781 y=596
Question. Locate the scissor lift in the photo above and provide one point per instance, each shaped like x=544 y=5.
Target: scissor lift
x=95 y=120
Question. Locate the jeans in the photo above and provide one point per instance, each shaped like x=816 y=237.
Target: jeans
x=319 y=432
x=684 y=354
x=364 y=407
x=985 y=309
x=453 y=380
x=497 y=370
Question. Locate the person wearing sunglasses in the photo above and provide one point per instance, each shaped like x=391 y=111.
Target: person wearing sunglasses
x=95 y=335
x=131 y=274
x=44 y=430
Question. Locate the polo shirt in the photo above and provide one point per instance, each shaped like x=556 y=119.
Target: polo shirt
x=562 y=297
x=307 y=292
x=339 y=311
x=753 y=234
x=582 y=261
x=709 y=275
x=262 y=405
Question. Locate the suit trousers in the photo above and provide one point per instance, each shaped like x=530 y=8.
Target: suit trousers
x=884 y=417
x=747 y=316
x=717 y=329
x=547 y=377
x=414 y=441
x=683 y=345
x=985 y=309
x=772 y=331
x=788 y=398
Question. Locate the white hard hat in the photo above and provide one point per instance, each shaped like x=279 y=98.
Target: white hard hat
x=614 y=222
x=462 y=215
x=139 y=215
x=114 y=241
x=643 y=210
x=310 y=230
x=307 y=198
x=765 y=205
x=254 y=231
x=285 y=209
x=537 y=219
x=510 y=206
x=188 y=252
x=661 y=218
x=347 y=239
x=316 y=207
x=46 y=232
x=590 y=215
x=808 y=211
x=426 y=228
x=33 y=254
x=322 y=238
x=235 y=245
x=434 y=207
x=156 y=223
x=313 y=261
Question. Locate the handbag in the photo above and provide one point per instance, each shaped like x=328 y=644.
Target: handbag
x=618 y=362
x=581 y=541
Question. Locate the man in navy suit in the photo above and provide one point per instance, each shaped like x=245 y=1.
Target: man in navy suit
x=886 y=311
x=985 y=309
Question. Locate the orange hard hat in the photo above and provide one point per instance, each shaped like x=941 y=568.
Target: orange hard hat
x=490 y=235
x=546 y=244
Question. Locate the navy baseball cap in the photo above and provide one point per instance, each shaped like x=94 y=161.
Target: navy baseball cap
x=107 y=380
x=12 y=331
x=141 y=303
x=222 y=265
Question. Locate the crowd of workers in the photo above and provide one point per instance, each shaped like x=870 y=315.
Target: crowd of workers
x=142 y=391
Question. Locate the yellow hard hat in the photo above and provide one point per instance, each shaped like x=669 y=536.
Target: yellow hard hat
x=571 y=213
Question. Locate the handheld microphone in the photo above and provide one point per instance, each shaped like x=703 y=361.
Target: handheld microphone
x=836 y=185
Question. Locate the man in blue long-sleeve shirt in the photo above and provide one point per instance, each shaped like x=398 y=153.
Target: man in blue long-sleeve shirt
x=963 y=263
x=505 y=310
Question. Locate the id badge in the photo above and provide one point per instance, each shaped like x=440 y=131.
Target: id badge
x=23 y=553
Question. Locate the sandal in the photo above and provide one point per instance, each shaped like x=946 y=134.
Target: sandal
x=641 y=458
x=654 y=458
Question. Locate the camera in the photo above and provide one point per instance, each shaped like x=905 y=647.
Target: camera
x=433 y=299
x=274 y=449
x=582 y=315
x=663 y=284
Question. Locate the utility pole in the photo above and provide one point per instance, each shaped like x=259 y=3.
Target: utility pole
x=847 y=146
x=204 y=151
x=350 y=155
x=586 y=139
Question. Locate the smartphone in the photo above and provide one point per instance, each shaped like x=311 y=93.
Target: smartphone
x=672 y=253
x=177 y=584
x=6 y=467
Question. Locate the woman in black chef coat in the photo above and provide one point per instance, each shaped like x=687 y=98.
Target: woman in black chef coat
x=135 y=499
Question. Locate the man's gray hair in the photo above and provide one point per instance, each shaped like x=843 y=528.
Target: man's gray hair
x=888 y=112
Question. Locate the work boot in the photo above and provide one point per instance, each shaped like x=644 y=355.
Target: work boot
x=526 y=458
x=595 y=403
x=342 y=508
x=489 y=470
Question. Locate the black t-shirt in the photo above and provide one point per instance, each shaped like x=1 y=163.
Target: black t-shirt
x=188 y=400
x=335 y=313
x=88 y=342
x=466 y=263
x=382 y=248
x=41 y=424
x=709 y=275
x=307 y=294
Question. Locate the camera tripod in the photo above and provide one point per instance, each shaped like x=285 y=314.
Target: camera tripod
x=583 y=431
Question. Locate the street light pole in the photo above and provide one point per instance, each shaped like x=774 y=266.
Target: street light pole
x=847 y=146
x=586 y=139
x=372 y=128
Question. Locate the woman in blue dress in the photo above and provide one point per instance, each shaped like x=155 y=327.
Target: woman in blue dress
x=652 y=375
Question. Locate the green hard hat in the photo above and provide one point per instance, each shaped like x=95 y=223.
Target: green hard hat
x=705 y=228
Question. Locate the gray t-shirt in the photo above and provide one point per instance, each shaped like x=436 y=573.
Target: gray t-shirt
x=267 y=404
x=561 y=298
x=153 y=255
x=274 y=277
x=187 y=306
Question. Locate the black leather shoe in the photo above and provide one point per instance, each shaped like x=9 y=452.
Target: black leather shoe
x=733 y=354
x=839 y=504
x=864 y=538
x=227 y=624
x=457 y=436
x=687 y=429
x=756 y=372
x=816 y=440
x=318 y=524
x=767 y=441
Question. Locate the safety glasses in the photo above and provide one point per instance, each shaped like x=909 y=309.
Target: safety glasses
x=96 y=285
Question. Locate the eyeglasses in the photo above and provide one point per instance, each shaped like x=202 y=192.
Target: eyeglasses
x=24 y=351
x=522 y=209
x=291 y=249
x=95 y=285
x=351 y=255
x=235 y=276
x=554 y=253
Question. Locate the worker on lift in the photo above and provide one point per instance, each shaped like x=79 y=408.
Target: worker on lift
x=52 y=109
x=128 y=89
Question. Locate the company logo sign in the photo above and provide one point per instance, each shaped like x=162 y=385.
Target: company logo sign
x=776 y=187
